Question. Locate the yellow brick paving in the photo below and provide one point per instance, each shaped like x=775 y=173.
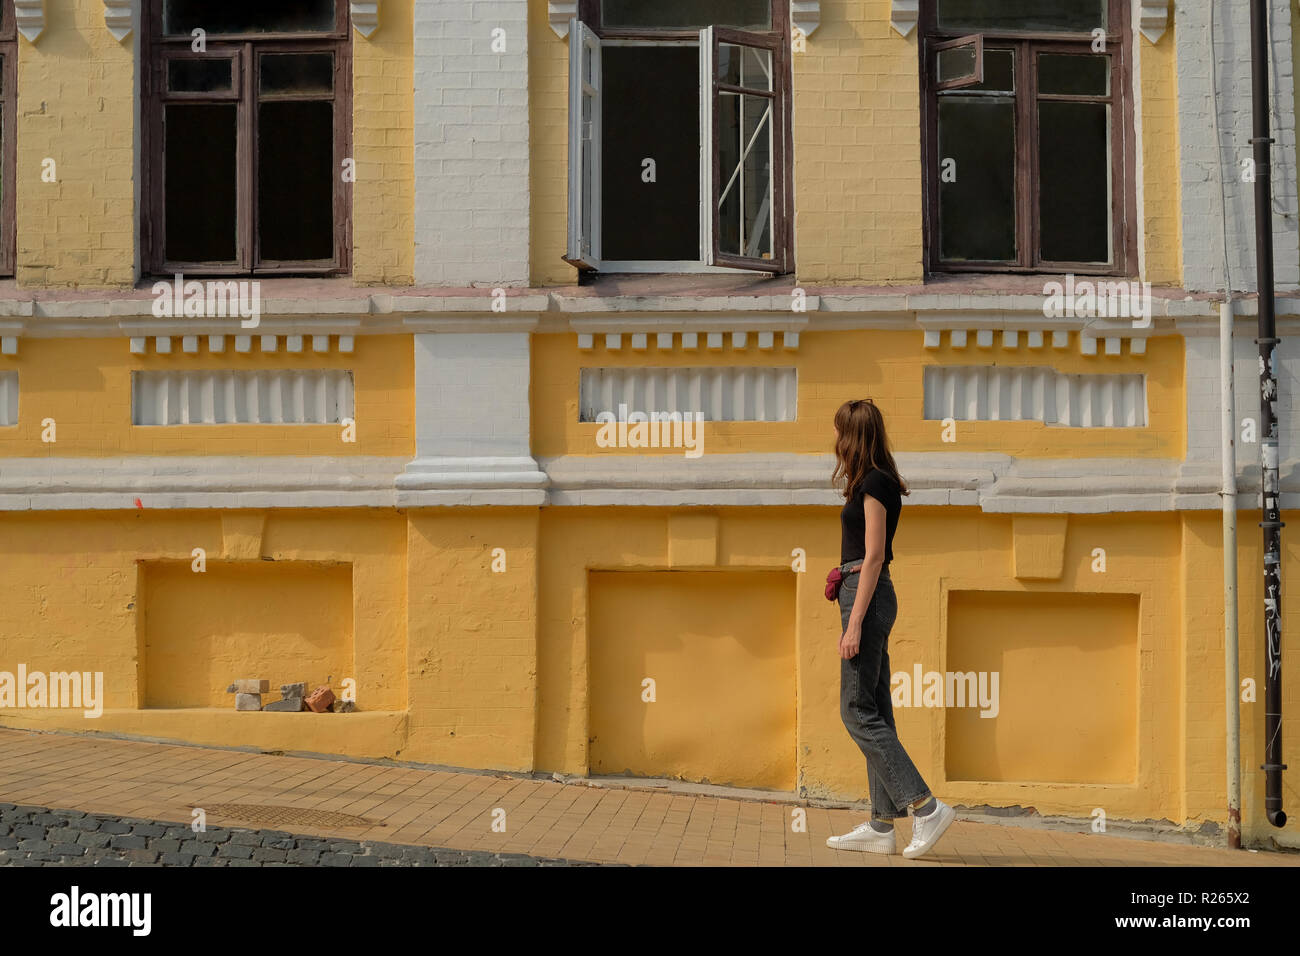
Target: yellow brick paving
x=454 y=809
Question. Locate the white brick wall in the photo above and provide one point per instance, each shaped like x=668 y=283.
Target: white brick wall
x=1203 y=439
x=471 y=143
x=1203 y=160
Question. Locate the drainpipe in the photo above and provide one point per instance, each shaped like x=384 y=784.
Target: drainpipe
x=1232 y=676
x=1268 y=444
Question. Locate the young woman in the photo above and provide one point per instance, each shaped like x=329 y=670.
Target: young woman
x=873 y=491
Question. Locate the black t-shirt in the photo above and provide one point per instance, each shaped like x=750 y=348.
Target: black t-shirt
x=853 y=545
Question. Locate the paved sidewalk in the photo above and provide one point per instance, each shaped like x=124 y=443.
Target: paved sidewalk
x=37 y=836
x=366 y=802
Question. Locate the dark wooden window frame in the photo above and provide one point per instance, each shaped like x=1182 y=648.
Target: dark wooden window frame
x=778 y=40
x=1026 y=46
x=9 y=141
x=156 y=51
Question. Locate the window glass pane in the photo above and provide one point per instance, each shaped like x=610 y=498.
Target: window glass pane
x=182 y=17
x=296 y=173
x=1074 y=168
x=687 y=14
x=999 y=73
x=1073 y=75
x=650 y=211
x=956 y=63
x=977 y=178
x=200 y=75
x=745 y=190
x=744 y=66
x=975 y=16
x=200 y=182
x=297 y=73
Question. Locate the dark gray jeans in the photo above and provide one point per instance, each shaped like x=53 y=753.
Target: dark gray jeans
x=866 y=708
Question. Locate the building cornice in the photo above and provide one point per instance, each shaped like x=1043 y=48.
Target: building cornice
x=993 y=483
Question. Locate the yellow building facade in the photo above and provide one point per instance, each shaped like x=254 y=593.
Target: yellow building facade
x=405 y=469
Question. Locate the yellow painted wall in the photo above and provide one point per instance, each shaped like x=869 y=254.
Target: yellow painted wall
x=548 y=131
x=383 y=137
x=1159 y=152
x=977 y=549
x=76 y=105
x=85 y=386
x=719 y=648
x=473 y=657
x=857 y=152
x=837 y=366
x=78 y=586
x=1067 y=667
x=458 y=664
x=282 y=622
x=77 y=93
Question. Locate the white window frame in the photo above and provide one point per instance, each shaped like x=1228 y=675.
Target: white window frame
x=584 y=251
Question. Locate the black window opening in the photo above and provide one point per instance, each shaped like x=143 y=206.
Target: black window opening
x=679 y=140
x=246 y=163
x=1029 y=136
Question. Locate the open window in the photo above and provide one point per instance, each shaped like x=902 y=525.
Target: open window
x=248 y=120
x=1029 y=142
x=679 y=140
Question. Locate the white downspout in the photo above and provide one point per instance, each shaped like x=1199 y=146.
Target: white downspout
x=1231 y=679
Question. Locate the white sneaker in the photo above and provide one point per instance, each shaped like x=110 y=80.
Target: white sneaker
x=864 y=839
x=927 y=830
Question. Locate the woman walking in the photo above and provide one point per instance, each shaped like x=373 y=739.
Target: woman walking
x=873 y=493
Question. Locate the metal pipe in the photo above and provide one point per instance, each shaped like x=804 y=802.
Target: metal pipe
x=1268 y=445
x=1231 y=671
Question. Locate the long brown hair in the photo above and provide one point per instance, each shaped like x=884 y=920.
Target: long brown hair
x=861 y=446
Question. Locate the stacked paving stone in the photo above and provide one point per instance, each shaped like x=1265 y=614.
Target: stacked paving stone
x=291 y=696
x=35 y=836
x=248 y=693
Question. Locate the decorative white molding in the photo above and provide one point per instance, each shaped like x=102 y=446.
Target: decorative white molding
x=1153 y=18
x=992 y=393
x=241 y=397
x=29 y=15
x=118 y=18
x=806 y=15
x=8 y=399
x=903 y=15
x=560 y=13
x=726 y=394
x=365 y=17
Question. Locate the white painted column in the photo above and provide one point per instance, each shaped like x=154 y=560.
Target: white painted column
x=472 y=422
x=471 y=143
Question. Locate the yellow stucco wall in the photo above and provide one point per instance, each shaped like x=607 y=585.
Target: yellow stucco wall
x=78 y=594
x=1159 y=151
x=462 y=664
x=857 y=151
x=887 y=366
x=85 y=386
x=473 y=657
x=383 y=137
x=76 y=106
x=77 y=101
